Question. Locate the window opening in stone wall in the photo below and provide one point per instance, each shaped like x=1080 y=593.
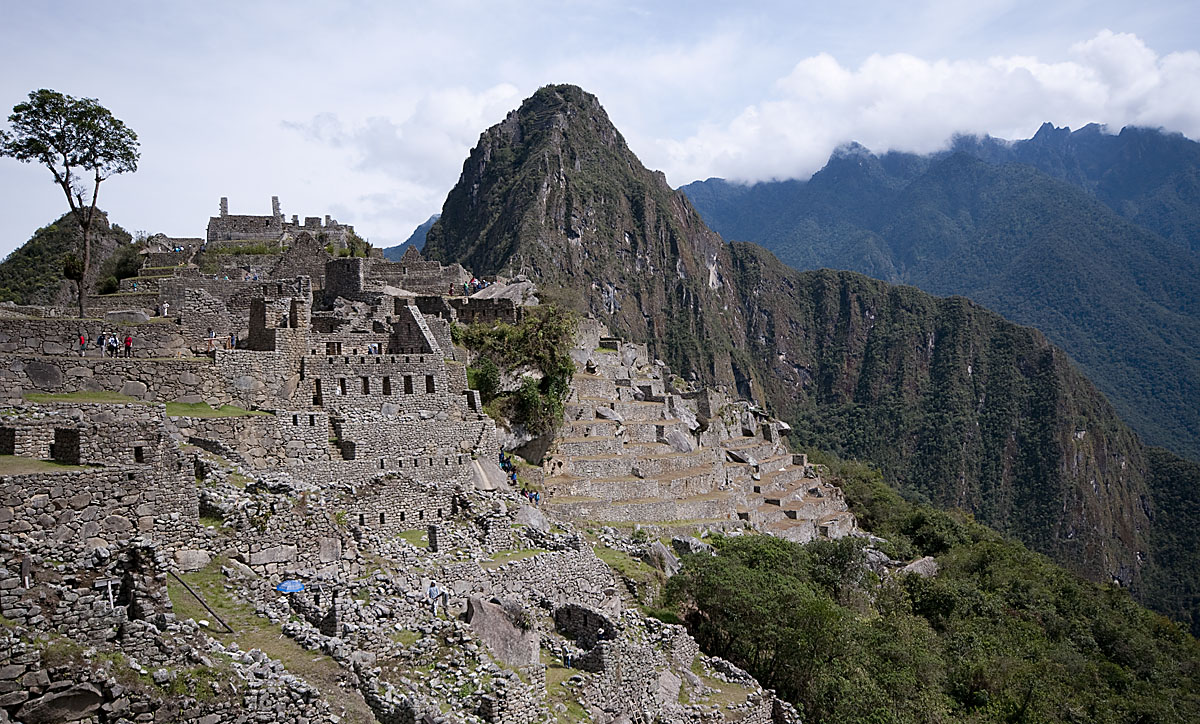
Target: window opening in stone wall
x=402 y=516
x=331 y=348
x=362 y=519
x=139 y=454
x=295 y=421
x=317 y=393
x=312 y=420
x=381 y=518
x=8 y=441
x=408 y=384
x=302 y=368
x=420 y=515
x=387 y=385
x=429 y=388
x=439 y=512
x=341 y=385
x=382 y=464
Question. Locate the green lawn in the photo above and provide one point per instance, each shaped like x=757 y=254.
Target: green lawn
x=201 y=409
x=90 y=396
x=15 y=465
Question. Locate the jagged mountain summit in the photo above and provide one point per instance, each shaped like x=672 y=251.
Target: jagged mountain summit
x=952 y=401
x=1093 y=238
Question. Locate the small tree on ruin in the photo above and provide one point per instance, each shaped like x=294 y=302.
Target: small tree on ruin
x=82 y=144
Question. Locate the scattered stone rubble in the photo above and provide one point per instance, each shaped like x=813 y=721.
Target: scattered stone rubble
x=361 y=464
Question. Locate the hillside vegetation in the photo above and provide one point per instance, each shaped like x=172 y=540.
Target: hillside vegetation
x=1000 y=634
x=32 y=274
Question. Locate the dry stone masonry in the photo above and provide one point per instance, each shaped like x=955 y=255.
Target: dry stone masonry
x=290 y=413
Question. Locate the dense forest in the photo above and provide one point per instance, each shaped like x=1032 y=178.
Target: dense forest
x=998 y=634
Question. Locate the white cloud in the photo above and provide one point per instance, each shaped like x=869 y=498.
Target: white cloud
x=902 y=102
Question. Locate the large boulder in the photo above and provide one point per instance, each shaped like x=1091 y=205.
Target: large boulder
x=487 y=475
x=532 y=517
x=78 y=702
x=126 y=316
x=133 y=388
x=664 y=558
x=44 y=375
x=192 y=559
x=925 y=567
x=515 y=645
x=679 y=441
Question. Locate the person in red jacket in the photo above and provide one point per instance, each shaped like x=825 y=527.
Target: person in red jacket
x=128 y=345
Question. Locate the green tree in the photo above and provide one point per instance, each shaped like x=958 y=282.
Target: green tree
x=75 y=138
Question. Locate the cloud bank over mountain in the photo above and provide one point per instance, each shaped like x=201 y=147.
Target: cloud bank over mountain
x=903 y=102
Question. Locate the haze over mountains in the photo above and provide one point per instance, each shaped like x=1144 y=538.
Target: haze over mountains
x=952 y=401
x=1093 y=238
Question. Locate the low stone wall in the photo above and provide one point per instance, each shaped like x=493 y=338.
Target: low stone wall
x=266 y=441
x=150 y=380
x=59 y=337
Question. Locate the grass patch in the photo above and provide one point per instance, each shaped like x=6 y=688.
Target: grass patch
x=15 y=465
x=418 y=538
x=203 y=409
x=254 y=632
x=503 y=557
x=89 y=396
x=557 y=692
x=643 y=576
x=406 y=637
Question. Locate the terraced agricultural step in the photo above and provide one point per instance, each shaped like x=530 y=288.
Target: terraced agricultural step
x=594 y=386
x=588 y=446
x=716 y=506
x=589 y=428
x=599 y=466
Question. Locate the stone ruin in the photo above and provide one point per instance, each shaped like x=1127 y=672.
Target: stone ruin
x=300 y=415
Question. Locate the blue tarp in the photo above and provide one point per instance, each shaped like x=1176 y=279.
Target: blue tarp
x=290 y=586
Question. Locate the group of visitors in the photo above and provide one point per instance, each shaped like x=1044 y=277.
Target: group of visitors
x=109 y=344
x=475 y=285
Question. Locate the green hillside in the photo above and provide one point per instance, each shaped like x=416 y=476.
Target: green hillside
x=32 y=274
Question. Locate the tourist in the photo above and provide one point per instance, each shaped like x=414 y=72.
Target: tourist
x=82 y=343
x=434 y=594
x=232 y=341
x=165 y=307
x=113 y=345
x=211 y=336
x=128 y=345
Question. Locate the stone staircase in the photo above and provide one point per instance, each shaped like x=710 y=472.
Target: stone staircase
x=632 y=449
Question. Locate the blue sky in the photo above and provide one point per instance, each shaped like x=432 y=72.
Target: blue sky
x=366 y=110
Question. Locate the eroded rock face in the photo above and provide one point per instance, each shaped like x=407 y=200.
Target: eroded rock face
x=46 y=376
x=510 y=643
x=78 y=702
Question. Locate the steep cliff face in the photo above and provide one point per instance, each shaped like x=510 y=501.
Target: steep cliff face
x=954 y=402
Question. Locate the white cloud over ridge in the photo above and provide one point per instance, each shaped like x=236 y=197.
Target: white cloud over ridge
x=905 y=103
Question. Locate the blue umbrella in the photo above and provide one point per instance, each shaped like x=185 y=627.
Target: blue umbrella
x=290 y=586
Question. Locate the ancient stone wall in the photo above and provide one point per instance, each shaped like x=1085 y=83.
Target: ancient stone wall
x=55 y=337
x=184 y=380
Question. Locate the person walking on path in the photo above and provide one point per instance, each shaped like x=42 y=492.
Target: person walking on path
x=128 y=345
x=435 y=594
x=82 y=343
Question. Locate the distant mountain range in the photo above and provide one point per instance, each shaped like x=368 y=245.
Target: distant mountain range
x=1093 y=238
x=417 y=239
x=953 y=402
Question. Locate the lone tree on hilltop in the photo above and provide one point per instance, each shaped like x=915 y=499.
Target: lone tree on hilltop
x=74 y=138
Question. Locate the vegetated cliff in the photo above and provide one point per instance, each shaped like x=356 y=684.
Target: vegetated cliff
x=952 y=401
x=32 y=274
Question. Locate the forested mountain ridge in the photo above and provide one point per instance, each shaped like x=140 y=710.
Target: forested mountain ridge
x=951 y=400
x=1044 y=231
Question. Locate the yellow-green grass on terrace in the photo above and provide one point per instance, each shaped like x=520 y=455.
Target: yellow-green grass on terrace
x=255 y=632
x=173 y=409
x=201 y=409
x=83 y=396
x=16 y=465
x=502 y=557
